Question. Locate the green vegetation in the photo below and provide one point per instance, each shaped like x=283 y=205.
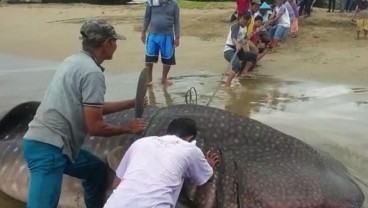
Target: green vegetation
x=185 y=4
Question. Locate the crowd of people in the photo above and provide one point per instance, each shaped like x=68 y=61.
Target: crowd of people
x=259 y=30
x=261 y=27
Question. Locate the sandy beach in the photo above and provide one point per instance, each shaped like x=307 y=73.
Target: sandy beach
x=314 y=88
x=325 y=49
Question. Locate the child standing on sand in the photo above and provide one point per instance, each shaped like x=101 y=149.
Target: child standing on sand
x=361 y=18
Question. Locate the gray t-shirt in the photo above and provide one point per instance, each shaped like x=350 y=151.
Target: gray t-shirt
x=59 y=120
x=162 y=19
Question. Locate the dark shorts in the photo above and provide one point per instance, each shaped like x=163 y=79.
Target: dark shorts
x=163 y=44
x=242 y=57
x=265 y=37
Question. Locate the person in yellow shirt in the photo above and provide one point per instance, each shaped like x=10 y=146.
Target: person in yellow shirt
x=254 y=8
x=361 y=18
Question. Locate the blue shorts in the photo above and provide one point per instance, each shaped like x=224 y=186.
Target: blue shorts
x=278 y=32
x=160 y=43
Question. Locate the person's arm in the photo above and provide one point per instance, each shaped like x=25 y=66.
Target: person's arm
x=282 y=10
x=177 y=25
x=123 y=166
x=201 y=168
x=112 y=107
x=234 y=36
x=146 y=21
x=271 y=16
x=93 y=91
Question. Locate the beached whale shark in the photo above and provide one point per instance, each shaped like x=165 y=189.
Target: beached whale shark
x=259 y=167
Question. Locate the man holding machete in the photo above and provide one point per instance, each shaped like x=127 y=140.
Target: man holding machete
x=73 y=106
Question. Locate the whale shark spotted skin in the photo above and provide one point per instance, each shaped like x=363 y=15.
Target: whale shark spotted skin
x=259 y=167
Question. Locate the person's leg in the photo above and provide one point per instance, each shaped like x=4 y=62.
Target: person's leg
x=165 y=72
x=359 y=27
x=342 y=6
x=329 y=5
x=262 y=53
x=46 y=164
x=152 y=50
x=279 y=33
x=308 y=7
x=333 y=5
x=285 y=34
x=235 y=65
x=294 y=28
x=150 y=69
x=347 y=5
x=250 y=60
x=301 y=7
x=167 y=57
x=93 y=172
x=365 y=28
x=272 y=34
x=350 y=6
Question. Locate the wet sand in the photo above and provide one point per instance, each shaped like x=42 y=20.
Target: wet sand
x=314 y=88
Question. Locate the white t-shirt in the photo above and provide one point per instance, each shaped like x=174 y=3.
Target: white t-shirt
x=236 y=31
x=152 y=172
x=285 y=18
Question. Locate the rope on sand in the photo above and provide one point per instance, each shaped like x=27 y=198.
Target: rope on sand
x=222 y=77
x=77 y=199
x=189 y=96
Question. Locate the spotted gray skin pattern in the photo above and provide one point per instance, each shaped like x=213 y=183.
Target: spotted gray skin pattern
x=260 y=167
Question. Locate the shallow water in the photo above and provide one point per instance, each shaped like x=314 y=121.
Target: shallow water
x=329 y=117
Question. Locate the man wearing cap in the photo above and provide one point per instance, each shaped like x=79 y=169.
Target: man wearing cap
x=164 y=34
x=72 y=107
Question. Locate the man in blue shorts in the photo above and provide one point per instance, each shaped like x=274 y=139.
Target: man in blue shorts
x=163 y=17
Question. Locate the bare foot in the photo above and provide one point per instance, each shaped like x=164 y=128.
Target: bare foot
x=226 y=87
x=248 y=76
x=166 y=83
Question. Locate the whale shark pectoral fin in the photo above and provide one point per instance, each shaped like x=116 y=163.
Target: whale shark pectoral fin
x=141 y=93
x=115 y=156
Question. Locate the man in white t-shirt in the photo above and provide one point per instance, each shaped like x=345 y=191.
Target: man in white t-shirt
x=152 y=171
x=283 y=24
x=240 y=61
